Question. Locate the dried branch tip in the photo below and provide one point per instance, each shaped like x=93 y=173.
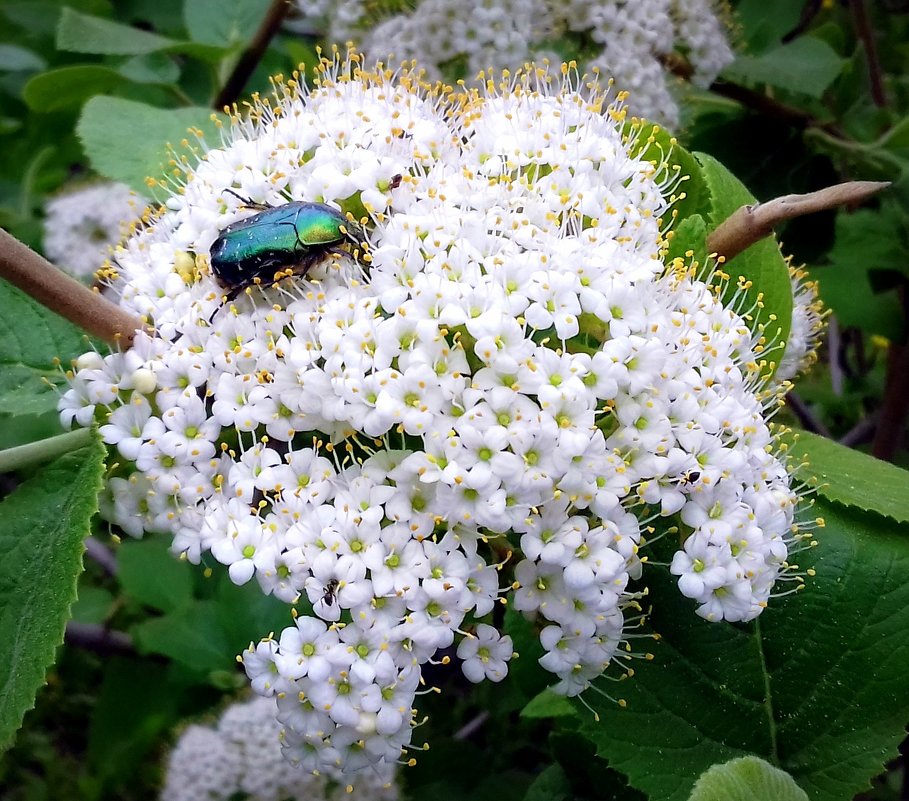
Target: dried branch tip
x=749 y=224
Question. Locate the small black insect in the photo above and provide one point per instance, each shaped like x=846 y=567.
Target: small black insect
x=330 y=589
x=689 y=478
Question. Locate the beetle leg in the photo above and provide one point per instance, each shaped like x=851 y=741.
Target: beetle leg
x=248 y=202
x=234 y=293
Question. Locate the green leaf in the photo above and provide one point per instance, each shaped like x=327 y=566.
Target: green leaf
x=589 y=776
x=191 y=636
x=548 y=705
x=93 y=605
x=206 y=636
x=153 y=576
x=846 y=289
x=8 y=125
x=42 y=526
x=18 y=59
x=870 y=239
x=69 y=86
x=896 y=140
x=153 y=68
x=746 y=779
x=25 y=390
x=846 y=476
x=689 y=236
x=32 y=338
x=128 y=141
x=866 y=241
x=38 y=18
x=652 y=143
x=817 y=685
x=551 y=785
x=136 y=703
x=245 y=613
x=224 y=23
x=83 y=33
x=24 y=429
x=806 y=65
x=524 y=673
x=765 y=22
x=691 y=196
x=762 y=264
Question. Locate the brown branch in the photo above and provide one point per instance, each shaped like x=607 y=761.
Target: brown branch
x=764 y=104
x=251 y=57
x=99 y=639
x=864 y=32
x=752 y=99
x=472 y=726
x=806 y=417
x=835 y=356
x=809 y=11
x=891 y=428
x=861 y=432
x=101 y=554
x=749 y=224
x=36 y=276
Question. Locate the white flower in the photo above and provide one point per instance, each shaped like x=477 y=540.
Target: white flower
x=507 y=388
x=83 y=223
x=259 y=663
x=626 y=41
x=126 y=425
x=134 y=505
x=242 y=756
x=202 y=765
x=485 y=655
x=807 y=326
x=241 y=547
x=310 y=649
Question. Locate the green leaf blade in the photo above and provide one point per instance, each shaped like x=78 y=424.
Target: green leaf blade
x=19 y=59
x=845 y=475
x=805 y=66
x=42 y=527
x=548 y=704
x=747 y=779
x=223 y=23
x=762 y=264
x=32 y=339
x=867 y=244
x=153 y=576
x=84 y=33
x=831 y=660
x=551 y=785
x=176 y=636
x=67 y=87
x=137 y=701
x=128 y=141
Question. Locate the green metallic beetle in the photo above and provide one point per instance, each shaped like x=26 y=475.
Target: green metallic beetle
x=292 y=236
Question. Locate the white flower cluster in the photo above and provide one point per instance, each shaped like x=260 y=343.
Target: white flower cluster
x=701 y=30
x=241 y=757
x=807 y=326
x=626 y=40
x=82 y=224
x=511 y=367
